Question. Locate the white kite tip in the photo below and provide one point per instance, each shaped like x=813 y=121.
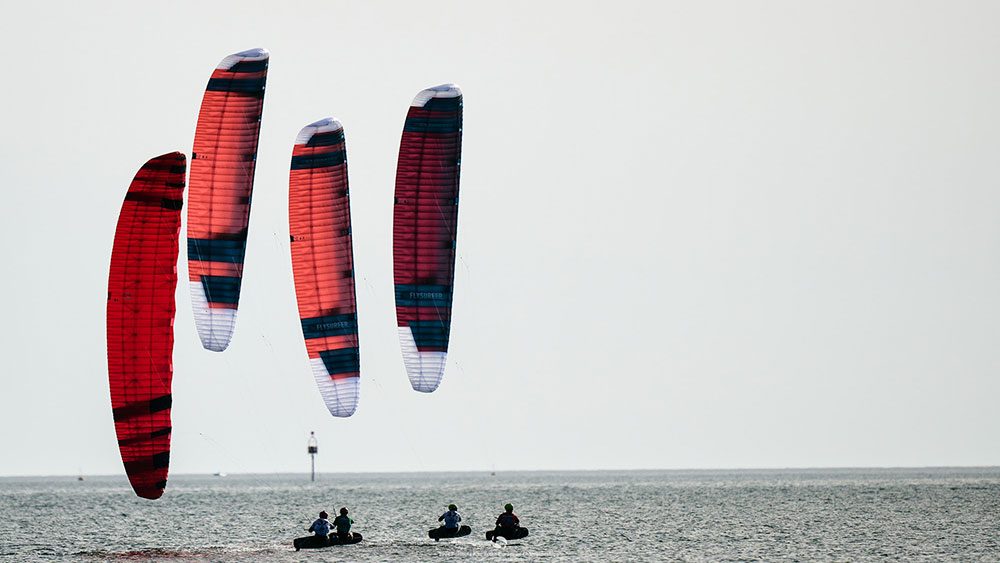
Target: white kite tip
x=442 y=91
x=259 y=54
x=325 y=125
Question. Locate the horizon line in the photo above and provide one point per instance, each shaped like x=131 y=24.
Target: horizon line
x=495 y=471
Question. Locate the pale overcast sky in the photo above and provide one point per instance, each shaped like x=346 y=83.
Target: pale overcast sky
x=692 y=234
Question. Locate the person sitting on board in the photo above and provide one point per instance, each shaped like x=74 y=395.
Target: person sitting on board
x=321 y=527
x=507 y=523
x=343 y=524
x=451 y=519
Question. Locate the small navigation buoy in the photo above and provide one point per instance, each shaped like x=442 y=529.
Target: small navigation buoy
x=313 y=450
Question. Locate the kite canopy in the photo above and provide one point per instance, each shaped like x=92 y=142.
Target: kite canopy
x=319 y=220
x=140 y=320
x=425 y=221
x=222 y=170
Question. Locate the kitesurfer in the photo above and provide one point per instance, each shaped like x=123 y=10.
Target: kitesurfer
x=507 y=523
x=343 y=524
x=321 y=527
x=450 y=519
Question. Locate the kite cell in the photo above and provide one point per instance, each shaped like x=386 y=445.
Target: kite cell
x=319 y=220
x=425 y=219
x=140 y=320
x=221 y=185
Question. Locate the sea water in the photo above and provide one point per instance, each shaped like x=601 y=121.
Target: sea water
x=768 y=515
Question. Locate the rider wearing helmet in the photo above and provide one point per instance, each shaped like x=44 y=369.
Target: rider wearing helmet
x=507 y=523
x=451 y=518
x=321 y=527
x=343 y=524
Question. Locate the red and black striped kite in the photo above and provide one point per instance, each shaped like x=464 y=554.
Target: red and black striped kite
x=425 y=221
x=140 y=320
x=319 y=220
x=222 y=169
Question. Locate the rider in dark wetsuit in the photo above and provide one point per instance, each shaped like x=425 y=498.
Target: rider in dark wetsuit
x=343 y=524
x=507 y=523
